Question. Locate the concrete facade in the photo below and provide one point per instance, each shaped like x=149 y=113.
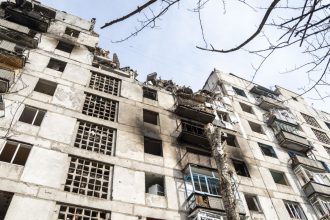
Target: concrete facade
x=81 y=138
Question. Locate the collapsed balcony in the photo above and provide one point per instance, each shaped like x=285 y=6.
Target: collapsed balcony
x=193 y=106
x=281 y=115
x=33 y=16
x=193 y=133
x=12 y=55
x=203 y=191
x=268 y=103
x=18 y=34
x=7 y=78
x=291 y=137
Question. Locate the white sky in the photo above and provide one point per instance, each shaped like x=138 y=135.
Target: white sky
x=170 y=49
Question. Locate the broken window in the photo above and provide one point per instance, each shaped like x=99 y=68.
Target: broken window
x=267 y=150
x=252 y=202
x=5 y=199
x=294 y=210
x=149 y=93
x=256 y=127
x=150 y=117
x=240 y=168
x=64 y=47
x=46 y=87
x=73 y=212
x=153 y=146
x=279 y=177
x=239 y=92
x=32 y=115
x=154 y=184
x=310 y=120
x=105 y=83
x=89 y=178
x=15 y=152
x=246 y=108
x=230 y=140
x=321 y=136
x=96 y=138
x=99 y=107
x=72 y=32
x=56 y=65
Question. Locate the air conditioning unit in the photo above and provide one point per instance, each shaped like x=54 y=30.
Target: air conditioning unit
x=156 y=189
x=6 y=80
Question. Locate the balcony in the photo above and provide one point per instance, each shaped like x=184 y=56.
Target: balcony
x=280 y=115
x=201 y=160
x=299 y=160
x=260 y=90
x=34 y=16
x=293 y=141
x=188 y=108
x=312 y=188
x=7 y=78
x=193 y=134
x=267 y=103
x=202 y=201
x=12 y=55
x=21 y=36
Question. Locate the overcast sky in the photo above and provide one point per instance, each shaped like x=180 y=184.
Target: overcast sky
x=170 y=49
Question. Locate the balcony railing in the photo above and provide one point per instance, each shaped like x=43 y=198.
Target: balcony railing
x=201 y=160
x=7 y=78
x=189 y=108
x=193 y=133
x=299 y=160
x=26 y=40
x=293 y=141
x=197 y=200
x=12 y=55
x=312 y=188
x=267 y=103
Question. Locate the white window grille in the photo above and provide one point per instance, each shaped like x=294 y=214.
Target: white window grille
x=89 y=178
x=321 y=136
x=96 y=138
x=99 y=107
x=67 y=212
x=105 y=83
x=32 y=115
x=294 y=210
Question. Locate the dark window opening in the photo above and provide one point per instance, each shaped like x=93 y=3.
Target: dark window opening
x=253 y=203
x=56 y=65
x=150 y=117
x=67 y=212
x=32 y=115
x=72 y=32
x=239 y=92
x=199 y=151
x=154 y=184
x=46 y=87
x=15 y=152
x=279 y=177
x=246 y=108
x=230 y=140
x=241 y=168
x=267 y=150
x=256 y=127
x=153 y=146
x=5 y=199
x=64 y=47
x=149 y=93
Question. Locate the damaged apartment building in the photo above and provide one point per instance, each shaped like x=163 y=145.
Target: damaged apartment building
x=81 y=138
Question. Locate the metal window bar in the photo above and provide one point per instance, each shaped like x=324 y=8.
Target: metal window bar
x=105 y=83
x=89 y=178
x=192 y=128
x=96 y=138
x=99 y=107
x=149 y=93
x=310 y=120
x=67 y=212
x=321 y=136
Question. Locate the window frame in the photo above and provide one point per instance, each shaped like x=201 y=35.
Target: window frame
x=149 y=139
x=251 y=124
x=284 y=177
x=149 y=93
x=268 y=147
x=256 y=202
x=18 y=146
x=64 y=47
x=291 y=208
x=246 y=170
x=47 y=83
x=239 y=91
x=244 y=106
x=35 y=115
x=62 y=64
x=152 y=113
